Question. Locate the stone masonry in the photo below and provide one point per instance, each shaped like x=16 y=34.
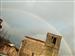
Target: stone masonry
x=35 y=47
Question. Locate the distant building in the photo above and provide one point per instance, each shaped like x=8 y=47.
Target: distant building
x=35 y=47
x=7 y=48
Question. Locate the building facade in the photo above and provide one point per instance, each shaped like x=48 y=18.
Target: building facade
x=35 y=47
x=32 y=47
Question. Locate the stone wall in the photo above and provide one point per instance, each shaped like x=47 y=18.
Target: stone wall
x=35 y=47
x=32 y=47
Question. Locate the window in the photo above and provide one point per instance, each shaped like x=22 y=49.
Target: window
x=32 y=54
x=53 y=40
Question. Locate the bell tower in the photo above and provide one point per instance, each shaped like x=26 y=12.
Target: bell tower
x=52 y=44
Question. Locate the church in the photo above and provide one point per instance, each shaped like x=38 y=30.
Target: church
x=35 y=47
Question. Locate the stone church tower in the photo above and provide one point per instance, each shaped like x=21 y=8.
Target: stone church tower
x=52 y=44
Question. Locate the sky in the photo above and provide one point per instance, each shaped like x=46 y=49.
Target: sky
x=37 y=18
x=37 y=0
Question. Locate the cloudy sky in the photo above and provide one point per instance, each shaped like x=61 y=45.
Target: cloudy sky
x=36 y=18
